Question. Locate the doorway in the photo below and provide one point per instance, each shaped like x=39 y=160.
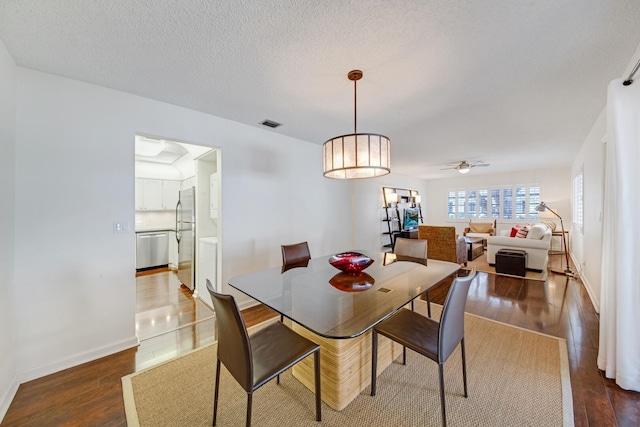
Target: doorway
x=165 y=168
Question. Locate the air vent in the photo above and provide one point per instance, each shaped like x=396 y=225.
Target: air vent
x=271 y=123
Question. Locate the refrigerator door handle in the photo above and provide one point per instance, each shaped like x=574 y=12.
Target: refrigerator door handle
x=178 y=222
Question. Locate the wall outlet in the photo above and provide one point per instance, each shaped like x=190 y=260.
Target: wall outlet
x=120 y=227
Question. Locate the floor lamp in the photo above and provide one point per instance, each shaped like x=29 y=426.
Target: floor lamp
x=567 y=271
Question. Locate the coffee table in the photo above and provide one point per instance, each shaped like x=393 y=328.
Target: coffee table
x=318 y=301
x=475 y=247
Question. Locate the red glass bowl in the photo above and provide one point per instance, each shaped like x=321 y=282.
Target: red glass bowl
x=350 y=262
x=349 y=282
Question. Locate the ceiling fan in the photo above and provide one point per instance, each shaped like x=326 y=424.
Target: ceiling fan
x=464 y=166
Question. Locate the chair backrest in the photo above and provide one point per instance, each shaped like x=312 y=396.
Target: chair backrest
x=441 y=240
x=414 y=248
x=295 y=255
x=234 y=349
x=451 y=330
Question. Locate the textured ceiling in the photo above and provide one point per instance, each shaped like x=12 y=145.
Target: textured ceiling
x=517 y=84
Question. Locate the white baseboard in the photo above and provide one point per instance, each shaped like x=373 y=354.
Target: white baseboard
x=7 y=397
x=595 y=301
x=77 y=359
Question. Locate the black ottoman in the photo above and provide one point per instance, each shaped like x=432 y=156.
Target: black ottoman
x=511 y=261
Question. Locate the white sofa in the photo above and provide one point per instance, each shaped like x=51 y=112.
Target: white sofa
x=536 y=244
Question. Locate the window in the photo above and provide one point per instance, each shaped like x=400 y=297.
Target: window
x=534 y=200
x=578 y=200
x=495 y=203
x=483 y=204
x=521 y=203
x=471 y=196
x=517 y=203
x=451 y=209
x=462 y=199
x=507 y=203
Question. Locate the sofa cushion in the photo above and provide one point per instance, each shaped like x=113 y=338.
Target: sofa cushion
x=480 y=227
x=522 y=232
x=537 y=231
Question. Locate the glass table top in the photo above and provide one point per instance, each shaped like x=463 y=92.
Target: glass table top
x=334 y=304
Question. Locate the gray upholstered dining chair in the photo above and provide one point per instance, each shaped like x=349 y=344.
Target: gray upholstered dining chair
x=255 y=359
x=435 y=340
x=414 y=250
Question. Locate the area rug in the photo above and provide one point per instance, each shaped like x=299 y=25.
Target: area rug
x=481 y=264
x=516 y=378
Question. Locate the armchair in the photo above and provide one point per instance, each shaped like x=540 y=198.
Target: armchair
x=480 y=229
x=444 y=244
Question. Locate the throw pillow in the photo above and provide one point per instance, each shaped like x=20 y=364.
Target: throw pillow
x=480 y=227
x=514 y=231
x=537 y=231
x=522 y=233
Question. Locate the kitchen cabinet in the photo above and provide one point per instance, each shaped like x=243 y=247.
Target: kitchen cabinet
x=170 y=194
x=156 y=194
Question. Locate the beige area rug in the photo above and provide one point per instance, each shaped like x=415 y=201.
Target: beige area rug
x=481 y=264
x=515 y=377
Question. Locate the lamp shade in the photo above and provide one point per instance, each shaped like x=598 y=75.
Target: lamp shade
x=362 y=155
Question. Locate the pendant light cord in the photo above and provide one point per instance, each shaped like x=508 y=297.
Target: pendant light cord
x=355 y=107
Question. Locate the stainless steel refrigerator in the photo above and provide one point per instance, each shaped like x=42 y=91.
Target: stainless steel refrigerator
x=186 y=237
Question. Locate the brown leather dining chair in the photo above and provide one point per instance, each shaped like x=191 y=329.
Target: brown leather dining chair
x=255 y=359
x=435 y=340
x=414 y=250
x=295 y=255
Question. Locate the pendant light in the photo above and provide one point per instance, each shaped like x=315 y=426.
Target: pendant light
x=357 y=155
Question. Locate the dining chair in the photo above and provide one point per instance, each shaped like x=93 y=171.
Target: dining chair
x=295 y=255
x=413 y=250
x=435 y=340
x=255 y=359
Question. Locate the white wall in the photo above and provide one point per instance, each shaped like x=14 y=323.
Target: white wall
x=8 y=380
x=587 y=246
x=555 y=188
x=368 y=202
x=75 y=176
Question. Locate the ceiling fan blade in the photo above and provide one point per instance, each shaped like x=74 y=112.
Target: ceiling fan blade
x=480 y=164
x=444 y=169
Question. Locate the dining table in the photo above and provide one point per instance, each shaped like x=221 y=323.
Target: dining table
x=338 y=309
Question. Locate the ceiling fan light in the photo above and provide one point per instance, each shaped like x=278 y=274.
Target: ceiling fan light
x=464 y=169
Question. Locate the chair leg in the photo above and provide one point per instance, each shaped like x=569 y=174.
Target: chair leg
x=249 y=402
x=464 y=367
x=318 y=381
x=278 y=379
x=215 y=393
x=374 y=361
x=444 y=412
x=404 y=355
x=428 y=304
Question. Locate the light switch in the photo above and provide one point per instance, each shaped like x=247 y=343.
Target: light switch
x=120 y=227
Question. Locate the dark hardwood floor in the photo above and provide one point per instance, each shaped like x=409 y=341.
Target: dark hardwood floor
x=173 y=323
